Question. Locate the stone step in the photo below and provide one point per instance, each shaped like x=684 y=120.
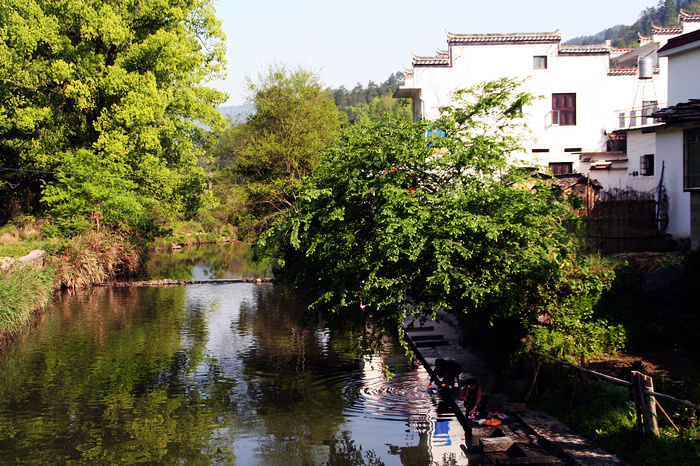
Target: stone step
x=427 y=343
x=427 y=328
x=427 y=337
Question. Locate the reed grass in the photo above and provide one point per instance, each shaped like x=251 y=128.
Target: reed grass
x=94 y=257
x=23 y=290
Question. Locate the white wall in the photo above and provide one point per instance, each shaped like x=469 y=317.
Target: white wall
x=638 y=144
x=669 y=149
x=598 y=96
x=684 y=77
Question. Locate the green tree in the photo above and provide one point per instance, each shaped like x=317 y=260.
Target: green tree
x=669 y=12
x=102 y=104
x=374 y=102
x=293 y=122
x=404 y=218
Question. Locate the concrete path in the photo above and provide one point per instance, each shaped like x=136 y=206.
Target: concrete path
x=525 y=436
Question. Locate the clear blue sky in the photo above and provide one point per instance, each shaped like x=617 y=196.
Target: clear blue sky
x=348 y=41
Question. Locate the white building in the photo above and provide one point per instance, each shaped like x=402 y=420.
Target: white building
x=678 y=140
x=589 y=92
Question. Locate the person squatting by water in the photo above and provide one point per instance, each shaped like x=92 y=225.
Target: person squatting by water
x=446 y=371
x=475 y=400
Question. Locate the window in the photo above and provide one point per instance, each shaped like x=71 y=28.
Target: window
x=648 y=107
x=539 y=62
x=646 y=165
x=691 y=159
x=564 y=109
x=561 y=168
x=540 y=150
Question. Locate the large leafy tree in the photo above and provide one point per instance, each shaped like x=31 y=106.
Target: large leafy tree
x=103 y=107
x=405 y=218
x=293 y=122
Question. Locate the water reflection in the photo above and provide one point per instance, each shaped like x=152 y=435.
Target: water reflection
x=211 y=261
x=208 y=374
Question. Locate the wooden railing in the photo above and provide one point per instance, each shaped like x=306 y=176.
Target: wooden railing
x=642 y=387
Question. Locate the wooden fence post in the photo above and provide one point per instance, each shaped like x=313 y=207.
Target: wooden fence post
x=645 y=404
x=637 y=400
x=584 y=383
x=649 y=385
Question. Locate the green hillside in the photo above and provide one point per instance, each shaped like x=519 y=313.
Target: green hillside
x=666 y=13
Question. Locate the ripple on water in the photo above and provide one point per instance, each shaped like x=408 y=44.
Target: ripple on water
x=401 y=397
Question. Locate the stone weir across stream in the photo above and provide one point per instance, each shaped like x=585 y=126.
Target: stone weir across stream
x=523 y=436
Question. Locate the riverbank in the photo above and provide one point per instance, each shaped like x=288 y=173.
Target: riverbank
x=525 y=436
x=25 y=288
x=97 y=258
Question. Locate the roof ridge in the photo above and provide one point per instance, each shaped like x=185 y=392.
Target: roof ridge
x=656 y=29
x=690 y=17
x=441 y=59
x=504 y=37
x=585 y=48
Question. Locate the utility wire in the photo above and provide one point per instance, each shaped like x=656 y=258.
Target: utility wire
x=44 y=172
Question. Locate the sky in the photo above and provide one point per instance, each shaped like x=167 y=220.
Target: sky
x=357 y=41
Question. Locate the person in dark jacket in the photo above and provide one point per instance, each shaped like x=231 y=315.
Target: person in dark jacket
x=447 y=371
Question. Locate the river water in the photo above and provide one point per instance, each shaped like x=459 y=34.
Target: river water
x=209 y=374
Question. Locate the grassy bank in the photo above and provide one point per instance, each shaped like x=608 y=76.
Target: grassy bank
x=610 y=421
x=653 y=299
x=93 y=255
x=90 y=257
x=23 y=290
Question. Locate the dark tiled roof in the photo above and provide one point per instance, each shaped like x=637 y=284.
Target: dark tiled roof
x=514 y=38
x=584 y=49
x=438 y=60
x=664 y=30
x=621 y=50
x=631 y=71
x=683 y=114
x=689 y=17
x=572 y=179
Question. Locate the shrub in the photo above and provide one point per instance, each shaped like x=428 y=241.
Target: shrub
x=94 y=257
x=571 y=327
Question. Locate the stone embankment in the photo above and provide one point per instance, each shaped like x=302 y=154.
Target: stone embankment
x=169 y=282
x=524 y=436
x=35 y=258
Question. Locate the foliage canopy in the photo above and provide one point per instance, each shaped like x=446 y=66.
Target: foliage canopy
x=293 y=122
x=403 y=218
x=102 y=107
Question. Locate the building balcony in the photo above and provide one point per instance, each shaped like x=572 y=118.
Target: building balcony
x=638 y=117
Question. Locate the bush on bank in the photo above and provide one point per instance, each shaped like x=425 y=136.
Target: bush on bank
x=570 y=324
x=94 y=257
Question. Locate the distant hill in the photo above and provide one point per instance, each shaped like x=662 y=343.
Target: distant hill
x=237 y=113
x=664 y=14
